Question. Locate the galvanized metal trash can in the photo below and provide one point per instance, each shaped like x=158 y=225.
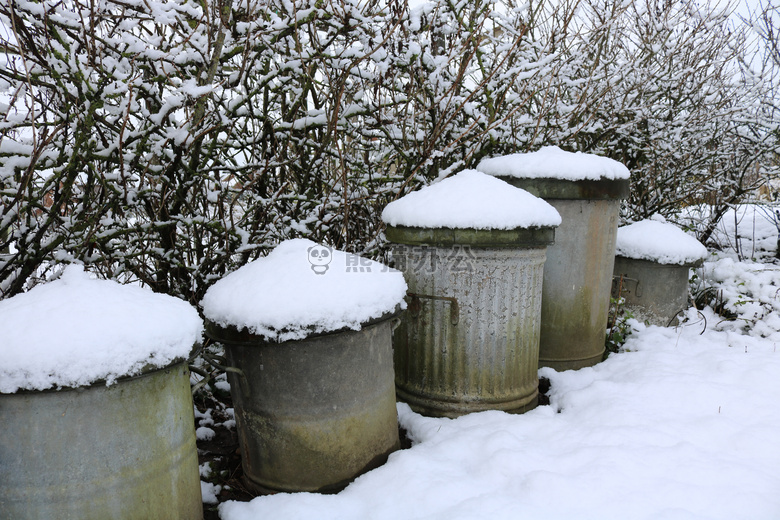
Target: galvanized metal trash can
x=96 y=414
x=315 y=413
x=652 y=270
x=124 y=451
x=469 y=339
x=311 y=368
x=586 y=190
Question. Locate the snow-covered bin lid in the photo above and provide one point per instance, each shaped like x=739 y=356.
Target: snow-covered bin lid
x=77 y=330
x=302 y=288
x=471 y=200
x=551 y=162
x=659 y=242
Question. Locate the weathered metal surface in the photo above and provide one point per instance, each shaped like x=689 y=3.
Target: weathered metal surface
x=126 y=451
x=654 y=293
x=314 y=414
x=577 y=284
x=233 y=335
x=486 y=359
x=578 y=271
x=586 y=189
x=415 y=305
x=499 y=238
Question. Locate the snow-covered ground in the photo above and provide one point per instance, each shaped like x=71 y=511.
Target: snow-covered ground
x=683 y=424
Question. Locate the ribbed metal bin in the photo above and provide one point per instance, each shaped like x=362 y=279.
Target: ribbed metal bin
x=654 y=292
x=469 y=339
x=578 y=270
x=125 y=451
x=312 y=414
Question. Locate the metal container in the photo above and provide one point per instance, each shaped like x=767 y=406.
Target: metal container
x=654 y=292
x=578 y=270
x=125 y=451
x=469 y=339
x=312 y=414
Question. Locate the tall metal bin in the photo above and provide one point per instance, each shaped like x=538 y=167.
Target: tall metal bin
x=586 y=190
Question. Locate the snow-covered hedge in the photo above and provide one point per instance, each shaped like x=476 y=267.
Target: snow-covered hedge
x=173 y=141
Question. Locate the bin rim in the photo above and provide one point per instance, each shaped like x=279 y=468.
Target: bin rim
x=481 y=238
x=235 y=335
x=583 y=189
x=694 y=264
x=146 y=370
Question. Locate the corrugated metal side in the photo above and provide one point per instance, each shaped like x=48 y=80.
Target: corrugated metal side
x=488 y=360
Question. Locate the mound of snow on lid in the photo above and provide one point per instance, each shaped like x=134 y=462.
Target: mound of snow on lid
x=659 y=242
x=551 y=162
x=302 y=288
x=77 y=330
x=471 y=199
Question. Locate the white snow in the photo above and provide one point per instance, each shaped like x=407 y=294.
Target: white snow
x=750 y=291
x=209 y=492
x=551 y=162
x=302 y=288
x=76 y=331
x=471 y=199
x=222 y=385
x=204 y=433
x=750 y=229
x=682 y=426
x=658 y=242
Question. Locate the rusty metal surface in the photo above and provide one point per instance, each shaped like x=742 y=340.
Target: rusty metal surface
x=486 y=359
x=126 y=451
x=654 y=293
x=312 y=415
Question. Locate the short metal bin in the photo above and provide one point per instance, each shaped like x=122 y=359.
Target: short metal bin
x=96 y=412
x=469 y=339
x=307 y=332
x=315 y=413
x=652 y=270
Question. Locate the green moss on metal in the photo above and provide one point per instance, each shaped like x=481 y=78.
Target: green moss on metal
x=571 y=339
x=498 y=238
x=124 y=451
x=318 y=453
x=600 y=189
